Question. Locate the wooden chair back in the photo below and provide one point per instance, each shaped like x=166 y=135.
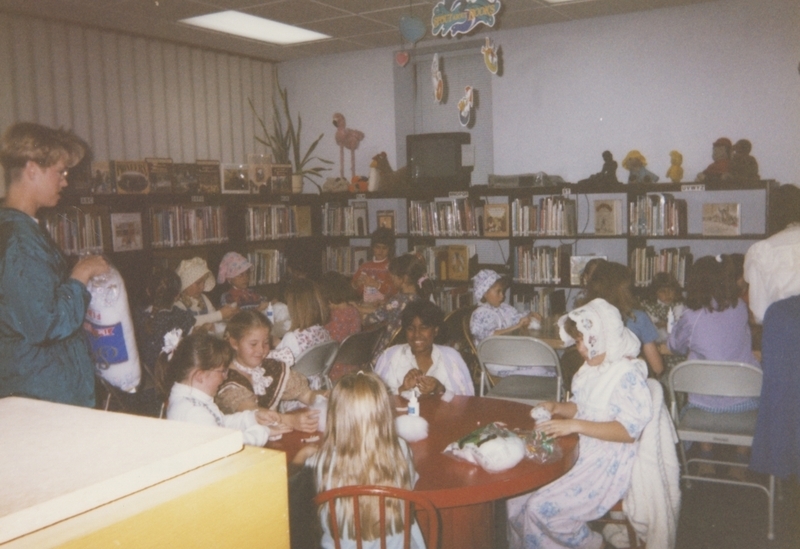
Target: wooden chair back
x=412 y=501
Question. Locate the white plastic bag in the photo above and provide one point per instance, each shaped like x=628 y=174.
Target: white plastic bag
x=109 y=328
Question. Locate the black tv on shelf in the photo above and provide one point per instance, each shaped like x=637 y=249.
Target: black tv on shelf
x=435 y=161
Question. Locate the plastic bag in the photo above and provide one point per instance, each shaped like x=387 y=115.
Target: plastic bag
x=109 y=329
x=493 y=447
x=539 y=447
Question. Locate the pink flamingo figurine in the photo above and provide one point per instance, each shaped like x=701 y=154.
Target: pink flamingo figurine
x=346 y=138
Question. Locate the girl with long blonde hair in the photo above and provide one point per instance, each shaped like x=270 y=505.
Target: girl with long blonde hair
x=361 y=447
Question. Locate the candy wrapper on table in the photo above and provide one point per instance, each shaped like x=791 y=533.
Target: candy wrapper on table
x=539 y=447
x=493 y=447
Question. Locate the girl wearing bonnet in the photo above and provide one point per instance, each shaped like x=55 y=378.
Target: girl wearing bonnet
x=195 y=280
x=610 y=407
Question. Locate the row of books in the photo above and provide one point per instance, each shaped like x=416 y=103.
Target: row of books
x=185 y=226
x=161 y=175
x=657 y=214
x=547 y=302
x=446 y=217
x=345 y=220
x=344 y=259
x=272 y=221
x=268 y=266
x=542 y=264
x=549 y=216
x=450 y=299
x=449 y=263
x=76 y=231
x=645 y=262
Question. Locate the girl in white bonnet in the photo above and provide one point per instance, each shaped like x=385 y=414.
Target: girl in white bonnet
x=495 y=317
x=195 y=280
x=610 y=407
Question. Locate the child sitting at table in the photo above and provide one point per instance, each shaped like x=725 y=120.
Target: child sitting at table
x=664 y=304
x=372 y=279
x=235 y=269
x=259 y=377
x=715 y=327
x=344 y=319
x=361 y=447
x=195 y=280
x=192 y=369
x=494 y=317
x=611 y=406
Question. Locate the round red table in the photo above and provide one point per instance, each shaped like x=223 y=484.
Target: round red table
x=464 y=493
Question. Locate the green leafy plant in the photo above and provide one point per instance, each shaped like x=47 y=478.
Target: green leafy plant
x=284 y=139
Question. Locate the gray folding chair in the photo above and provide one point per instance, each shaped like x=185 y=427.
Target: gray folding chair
x=730 y=379
x=523 y=352
x=357 y=349
x=317 y=361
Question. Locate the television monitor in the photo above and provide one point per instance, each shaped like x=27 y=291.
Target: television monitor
x=434 y=160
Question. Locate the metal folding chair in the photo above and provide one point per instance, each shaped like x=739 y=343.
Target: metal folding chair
x=317 y=361
x=520 y=351
x=731 y=379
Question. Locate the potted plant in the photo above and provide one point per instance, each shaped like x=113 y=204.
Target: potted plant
x=284 y=143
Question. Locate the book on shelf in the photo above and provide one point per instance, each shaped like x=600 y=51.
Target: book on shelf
x=258 y=172
x=131 y=177
x=445 y=217
x=450 y=299
x=608 y=217
x=657 y=214
x=577 y=263
x=102 y=181
x=542 y=264
x=495 y=220
x=645 y=261
x=360 y=218
x=268 y=266
x=458 y=262
x=234 y=179
x=208 y=176
x=280 y=179
x=160 y=174
x=126 y=231
x=345 y=259
x=722 y=219
x=385 y=219
x=77 y=230
x=547 y=302
x=303 y=220
x=172 y=226
x=524 y=217
x=79 y=178
x=184 y=178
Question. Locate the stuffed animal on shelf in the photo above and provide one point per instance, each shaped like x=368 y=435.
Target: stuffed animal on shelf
x=358 y=184
x=381 y=175
x=635 y=163
x=608 y=173
x=675 y=171
x=720 y=168
x=346 y=138
x=743 y=166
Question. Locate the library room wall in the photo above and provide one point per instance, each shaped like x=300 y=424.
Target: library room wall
x=131 y=97
x=664 y=79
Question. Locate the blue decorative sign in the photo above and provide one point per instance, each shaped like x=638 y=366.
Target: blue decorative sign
x=453 y=17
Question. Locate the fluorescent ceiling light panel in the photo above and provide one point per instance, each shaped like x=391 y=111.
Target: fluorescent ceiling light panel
x=257 y=28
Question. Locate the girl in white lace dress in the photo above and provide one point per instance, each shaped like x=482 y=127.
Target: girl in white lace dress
x=610 y=407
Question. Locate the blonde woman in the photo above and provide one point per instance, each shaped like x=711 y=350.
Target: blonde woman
x=361 y=447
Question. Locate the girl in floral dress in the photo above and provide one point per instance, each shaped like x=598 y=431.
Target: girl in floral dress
x=610 y=407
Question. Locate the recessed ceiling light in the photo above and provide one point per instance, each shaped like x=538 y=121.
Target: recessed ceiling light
x=257 y=28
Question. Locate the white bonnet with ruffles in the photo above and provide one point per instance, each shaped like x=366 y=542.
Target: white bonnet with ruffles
x=482 y=281
x=191 y=270
x=603 y=331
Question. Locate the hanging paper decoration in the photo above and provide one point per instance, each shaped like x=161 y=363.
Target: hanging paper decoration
x=438 y=81
x=490 y=58
x=402 y=58
x=465 y=106
x=456 y=17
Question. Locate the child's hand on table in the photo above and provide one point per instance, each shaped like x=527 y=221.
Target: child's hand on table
x=304 y=420
x=428 y=385
x=304 y=453
x=411 y=379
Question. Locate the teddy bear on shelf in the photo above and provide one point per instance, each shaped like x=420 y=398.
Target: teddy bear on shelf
x=675 y=171
x=720 y=168
x=635 y=163
x=743 y=166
